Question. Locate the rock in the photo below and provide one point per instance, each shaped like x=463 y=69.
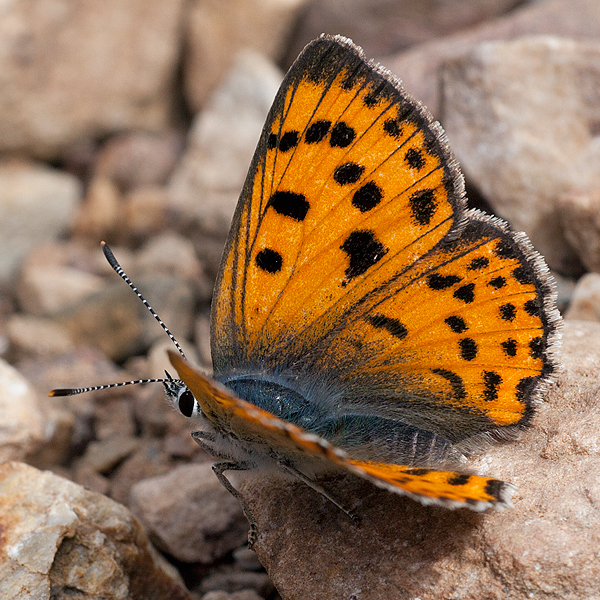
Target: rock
x=383 y=27
x=241 y=595
x=22 y=429
x=36 y=203
x=214 y=37
x=37 y=336
x=545 y=546
x=236 y=581
x=49 y=289
x=524 y=150
x=79 y=73
x=189 y=513
x=144 y=213
x=139 y=159
x=103 y=455
x=419 y=67
x=579 y=214
x=205 y=186
x=61 y=540
x=585 y=305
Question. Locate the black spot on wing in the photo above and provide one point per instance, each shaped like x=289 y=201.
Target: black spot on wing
x=348 y=173
x=435 y=281
x=468 y=348
x=393 y=128
x=317 y=131
x=271 y=141
x=269 y=260
x=455 y=381
x=363 y=250
x=288 y=141
x=536 y=347
x=497 y=282
x=423 y=206
x=367 y=197
x=342 y=135
x=289 y=204
x=414 y=159
x=459 y=479
x=392 y=326
x=492 y=381
x=456 y=324
x=510 y=347
x=465 y=293
x=481 y=262
x=508 y=312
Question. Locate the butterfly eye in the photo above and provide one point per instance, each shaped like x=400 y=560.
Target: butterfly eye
x=186 y=403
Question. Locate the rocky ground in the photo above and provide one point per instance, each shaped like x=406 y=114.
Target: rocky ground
x=136 y=125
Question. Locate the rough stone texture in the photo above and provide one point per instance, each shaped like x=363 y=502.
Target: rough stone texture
x=585 y=304
x=79 y=70
x=60 y=540
x=206 y=185
x=139 y=158
x=190 y=514
x=522 y=119
x=36 y=205
x=546 y=546
x=383 y=27
x=37 y=335
x=579 y=214
x=241 y=595
x=214 y=36
x=418 y=67
x=21 y=419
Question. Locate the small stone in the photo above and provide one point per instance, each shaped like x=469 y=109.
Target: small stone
x=246 y=560
x=105 y=454
x=144 y=212
x=236 y=581
x=36 y=203
x=22 y=426
x=139 y=159
x=585 y=304
x=38 y=336
x=46 y=290
x=190 y=514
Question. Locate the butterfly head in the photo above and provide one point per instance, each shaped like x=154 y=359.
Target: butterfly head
x=180 y=396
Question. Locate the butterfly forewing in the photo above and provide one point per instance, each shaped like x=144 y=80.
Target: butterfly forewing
x=349 y=186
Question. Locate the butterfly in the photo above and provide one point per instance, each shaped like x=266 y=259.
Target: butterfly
x=364 y=320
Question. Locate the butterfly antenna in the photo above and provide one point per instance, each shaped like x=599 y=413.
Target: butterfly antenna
x=112 y=261
x=95 y=388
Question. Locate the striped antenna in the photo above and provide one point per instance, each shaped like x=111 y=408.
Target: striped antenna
x=95 y=388
x=112 y=261
x=169 y=382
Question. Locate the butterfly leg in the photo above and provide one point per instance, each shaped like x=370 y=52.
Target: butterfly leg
x=219 y=469
x=287 y=466
x=201 y=437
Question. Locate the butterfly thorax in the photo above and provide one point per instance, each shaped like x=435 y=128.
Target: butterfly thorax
x=278 y=399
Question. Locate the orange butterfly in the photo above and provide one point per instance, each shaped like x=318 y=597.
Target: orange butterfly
x=363 y=319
